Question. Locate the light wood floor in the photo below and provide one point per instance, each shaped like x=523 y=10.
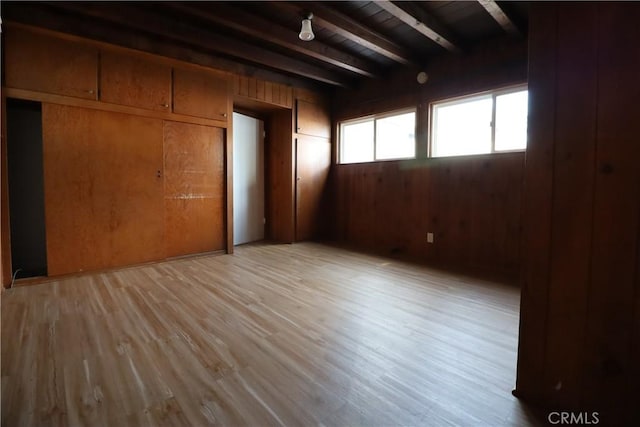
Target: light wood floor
x=295 y=335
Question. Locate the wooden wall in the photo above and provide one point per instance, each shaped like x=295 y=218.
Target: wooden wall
x=580 y=312
x=138 y=163
x=472 y=204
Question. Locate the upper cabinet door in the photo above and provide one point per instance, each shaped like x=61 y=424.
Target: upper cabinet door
x=42 y=63
x=135 y=82
x=313 y=119
x=200 y=94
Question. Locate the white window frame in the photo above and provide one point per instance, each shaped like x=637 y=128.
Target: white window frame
x=493 y=94
x=374 y=118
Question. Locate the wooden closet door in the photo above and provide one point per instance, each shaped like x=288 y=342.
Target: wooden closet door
x=43 y=63
x=313 y=119
x=313 y=160
x=136 y=82
x=194 y=188
x=200 y=94
x=103 y=189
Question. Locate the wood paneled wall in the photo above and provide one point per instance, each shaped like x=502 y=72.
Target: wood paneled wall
x=580 y=310
x=263 y=91
x=97 y=86
x=472 y=204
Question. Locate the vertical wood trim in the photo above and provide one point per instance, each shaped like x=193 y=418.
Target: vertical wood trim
x=635 y=336
x=260 y=90
x=422 y=130
x=291 y=167
x=5 y=227
x=236 y=84
x=296 y=192
x=244 y=86
x=268 y=92
x=253 y=88
x=538 y=199
x=228 y=136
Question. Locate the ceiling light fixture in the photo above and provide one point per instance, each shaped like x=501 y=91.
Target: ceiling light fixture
x=306 y=33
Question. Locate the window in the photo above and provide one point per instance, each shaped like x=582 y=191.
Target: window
x=380 y=137
x=480 y=124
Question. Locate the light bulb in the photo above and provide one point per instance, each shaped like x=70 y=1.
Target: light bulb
x=306 y=33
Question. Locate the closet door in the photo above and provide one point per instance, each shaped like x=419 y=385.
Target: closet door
x=200 y=94
x=313 y=161
x=194 y=188
x=136 y=82
x=103 y=189
x=43 y=63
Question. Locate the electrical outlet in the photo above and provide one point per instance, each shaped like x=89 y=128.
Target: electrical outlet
x=429 y=237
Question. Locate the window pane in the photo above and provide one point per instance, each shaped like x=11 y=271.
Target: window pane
x=462 y=128
x=357 y=142
x=395 y=137
x=511 y=121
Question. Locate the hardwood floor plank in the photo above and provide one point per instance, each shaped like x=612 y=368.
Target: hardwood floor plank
x=293 y=335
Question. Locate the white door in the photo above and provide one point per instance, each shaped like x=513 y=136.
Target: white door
x=248 y=179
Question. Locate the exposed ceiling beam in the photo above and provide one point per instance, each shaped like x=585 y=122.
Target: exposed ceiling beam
x=347 y=27
x=500 y=17
x=160 y=25
x=247 y=23
x=423 y=28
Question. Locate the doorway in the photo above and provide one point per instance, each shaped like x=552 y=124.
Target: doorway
x=26 y=188
x=248 y=179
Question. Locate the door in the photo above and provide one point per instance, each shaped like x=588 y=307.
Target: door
x=136 y=82
x=103 y=189
x=200 y=94
x=43 y=63
x=248 y=179
x=26 y=188
x=313 y=160
x=194 y=188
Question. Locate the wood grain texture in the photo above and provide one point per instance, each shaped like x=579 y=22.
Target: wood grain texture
x=590 y=294
x=537 y=200
x=280 y=191
x=134 y=81
x=262 y=90
x=572 y=212
x=471 y=204
x=274 y=335
x=200 y=94
x=103 y=106
x=103 y=200
x=5 y=226
x=194 y=188
x=313 y=119
x=36 y=62
x=313 y=161
x=616 y=217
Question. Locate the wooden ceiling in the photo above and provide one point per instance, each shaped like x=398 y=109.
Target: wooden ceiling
x=354 y=40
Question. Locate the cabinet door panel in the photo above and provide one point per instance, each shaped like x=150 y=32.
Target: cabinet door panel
x=135 y=82
x=103 y=195
x=313 y=119
x=37 y=62
x=194 y=188
x=200 y=94
x=313 y=160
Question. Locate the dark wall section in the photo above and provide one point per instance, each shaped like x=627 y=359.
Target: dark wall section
x=26 y=188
